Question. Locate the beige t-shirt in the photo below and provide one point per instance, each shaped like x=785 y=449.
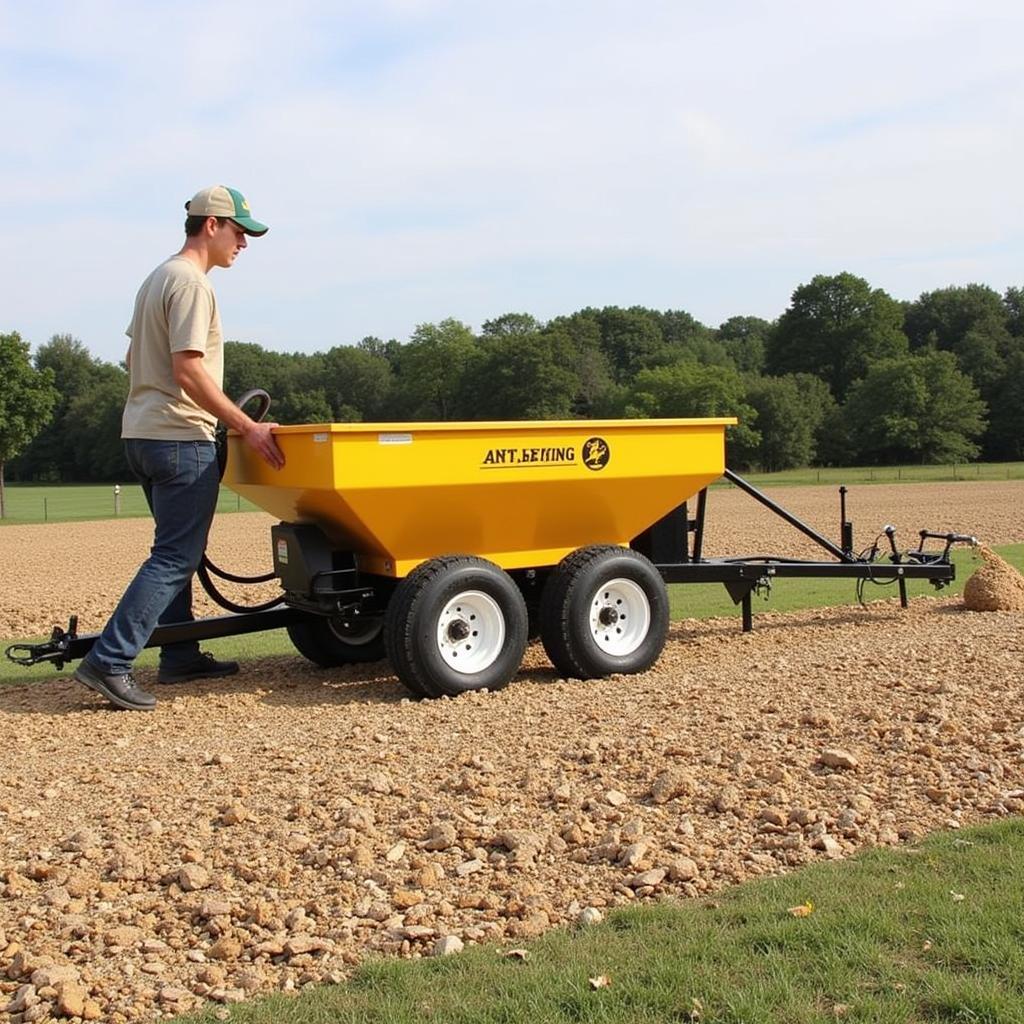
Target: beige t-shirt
x=175 y=311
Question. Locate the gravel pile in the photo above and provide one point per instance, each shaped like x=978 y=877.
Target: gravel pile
x=262 y=833
x=996 y=586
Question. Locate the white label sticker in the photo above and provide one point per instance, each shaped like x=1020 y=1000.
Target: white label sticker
x=394 y=438
x=320 y=438
x=282 y=551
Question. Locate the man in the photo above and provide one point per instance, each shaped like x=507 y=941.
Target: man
x=176 y=369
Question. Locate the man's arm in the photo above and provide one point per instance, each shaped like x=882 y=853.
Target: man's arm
x=191 y=376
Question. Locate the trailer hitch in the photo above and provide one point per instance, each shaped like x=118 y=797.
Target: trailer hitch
x=901 y=559
x=949 y=538
x=56 y=650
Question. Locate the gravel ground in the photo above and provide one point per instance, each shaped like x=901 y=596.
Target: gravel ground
x=259 y=833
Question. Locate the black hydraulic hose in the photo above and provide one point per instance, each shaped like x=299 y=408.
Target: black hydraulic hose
x=218 y=598
x=869 y=555
x=232 y=578
x=207 y=569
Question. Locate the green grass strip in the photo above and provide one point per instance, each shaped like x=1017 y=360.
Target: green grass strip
x=931 y=933
x=943 y=473
x=62 y=503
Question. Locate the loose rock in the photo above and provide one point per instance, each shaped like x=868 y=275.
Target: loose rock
x=833 y=757
x=447 y=945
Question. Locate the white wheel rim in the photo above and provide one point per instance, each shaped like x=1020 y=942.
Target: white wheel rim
x=620 y=617
x=471 y=632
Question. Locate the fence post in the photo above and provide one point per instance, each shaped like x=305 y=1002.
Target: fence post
x=46 y=514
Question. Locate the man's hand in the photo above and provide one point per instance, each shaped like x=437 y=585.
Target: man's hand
x=192 y=378
x=259 y=437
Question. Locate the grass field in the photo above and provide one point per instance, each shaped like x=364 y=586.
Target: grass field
x=29 y=503
x=927 y=933
x=889 y=474
x=25 y=503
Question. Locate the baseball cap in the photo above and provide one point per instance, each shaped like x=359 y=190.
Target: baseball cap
x=221 y=201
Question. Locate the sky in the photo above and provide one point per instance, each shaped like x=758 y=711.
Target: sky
x=424 y=159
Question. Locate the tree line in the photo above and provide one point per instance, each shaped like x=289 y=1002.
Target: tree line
x=847 y=375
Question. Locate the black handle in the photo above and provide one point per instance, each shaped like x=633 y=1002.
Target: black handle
x=255 y=393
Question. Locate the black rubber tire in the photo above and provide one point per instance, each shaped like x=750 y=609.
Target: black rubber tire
x=415 y=612
x=565 y=615
x=330 y=642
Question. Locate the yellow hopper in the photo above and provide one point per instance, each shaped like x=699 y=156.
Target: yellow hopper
x=521 y=494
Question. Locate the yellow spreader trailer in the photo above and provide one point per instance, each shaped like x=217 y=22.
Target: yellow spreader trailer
x=446 y=544
x=522 y=495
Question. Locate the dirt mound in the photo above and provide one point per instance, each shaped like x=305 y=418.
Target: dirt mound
x=995 y=587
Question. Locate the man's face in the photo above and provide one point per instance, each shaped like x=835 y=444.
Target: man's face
x=226 y=242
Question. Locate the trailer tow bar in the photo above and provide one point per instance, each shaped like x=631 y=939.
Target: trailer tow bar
x=66 y=645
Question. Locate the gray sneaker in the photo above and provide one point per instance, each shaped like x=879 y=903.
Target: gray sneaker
x=120 y=689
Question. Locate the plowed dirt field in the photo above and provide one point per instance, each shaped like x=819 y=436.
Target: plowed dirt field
x=256 y=833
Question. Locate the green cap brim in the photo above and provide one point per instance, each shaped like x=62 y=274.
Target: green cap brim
x=250 y=226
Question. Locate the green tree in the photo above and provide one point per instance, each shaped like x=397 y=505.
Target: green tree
x=52 y=454
x=971 y=322
x=836 y=328
x=976 y=325
x=96 y=413
x=688 y=389
x=248 y=365
x=631 y=339
x=311 y=405
x=1013 y=300
x=790 y=414
x=388 y=350
x=915 y=408
x=356 y=382
x=521 y=376
x=580 y=338
x=1006 y=427
x=27 y=398
x=743 y=338
x=430 y=371
x=686 y=338
x=510 y=325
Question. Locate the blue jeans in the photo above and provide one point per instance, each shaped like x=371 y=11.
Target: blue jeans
x=180 y=480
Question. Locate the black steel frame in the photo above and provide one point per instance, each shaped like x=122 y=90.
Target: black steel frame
x=66 y=645
x=676 y=535
x=744 y=575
